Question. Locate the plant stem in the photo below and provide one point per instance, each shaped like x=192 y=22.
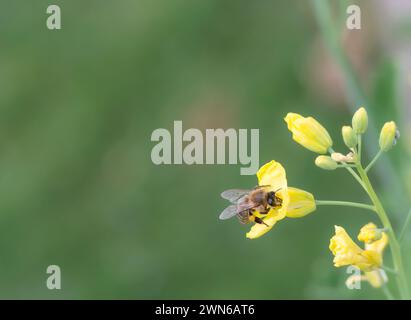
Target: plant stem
x=350 y=170
x=404 y=228
x=344 y=203
x=359 y=139
x=373 y=160
x=346 y=165
x=388 y=269
x=393 y=242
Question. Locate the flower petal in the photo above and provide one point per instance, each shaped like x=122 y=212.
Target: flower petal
x=377 y=278
x=258 y=230
x=378 y=245
x=272 y=174
x=344 y=249
x=300 y=204
x=369 y=233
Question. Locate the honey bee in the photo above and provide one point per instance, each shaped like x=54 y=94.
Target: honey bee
x=246 y=202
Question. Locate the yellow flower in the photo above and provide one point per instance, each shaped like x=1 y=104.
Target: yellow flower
x=370 y=233
x=295 y=202
x=309 y=133
x=347 y=252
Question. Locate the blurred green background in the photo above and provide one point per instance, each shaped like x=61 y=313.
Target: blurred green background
x=77 y=109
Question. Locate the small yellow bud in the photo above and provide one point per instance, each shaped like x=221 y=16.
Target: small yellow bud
x=309 y=133
x=370 y=233
x=326 y=163
x=388 y=136
x=360 y=121
x=350 y=138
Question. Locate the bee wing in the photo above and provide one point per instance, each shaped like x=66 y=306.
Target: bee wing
x=234 y=209
x=228 y=212
x=243 y=217
x=233 y=195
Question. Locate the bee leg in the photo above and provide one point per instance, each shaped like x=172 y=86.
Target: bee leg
x=266 y=210
x=260 y=221
x=278 y=201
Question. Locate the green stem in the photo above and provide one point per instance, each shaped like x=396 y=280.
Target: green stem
x=404 y=228
x=346 y=166
x=359 y=139
x=390 y=270
x=344 y=203
x=393 y=242
x=350 y=170
x=373 y=161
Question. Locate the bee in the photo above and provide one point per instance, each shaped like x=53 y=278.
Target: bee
x=246 y=202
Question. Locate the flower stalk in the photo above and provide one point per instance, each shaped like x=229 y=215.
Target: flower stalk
x=345 y=203
x=404 y=228
x=373 y=161
x=394 y=244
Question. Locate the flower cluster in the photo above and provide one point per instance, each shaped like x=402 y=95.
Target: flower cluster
x=296 y=203
x=313 y=136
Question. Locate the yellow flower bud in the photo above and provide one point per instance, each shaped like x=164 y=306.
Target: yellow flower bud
x=349 y=137
x=301 y=203
x=388 y=136
x=326 y=163
x=360 y=121
x=309 y=133
x=369 y=233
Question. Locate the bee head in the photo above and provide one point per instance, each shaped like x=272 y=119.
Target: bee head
x=271 y=198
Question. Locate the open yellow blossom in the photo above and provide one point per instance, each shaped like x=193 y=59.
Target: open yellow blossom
x=295 y=202
x=347 y=252
x=370 y=233
x=309 y=133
